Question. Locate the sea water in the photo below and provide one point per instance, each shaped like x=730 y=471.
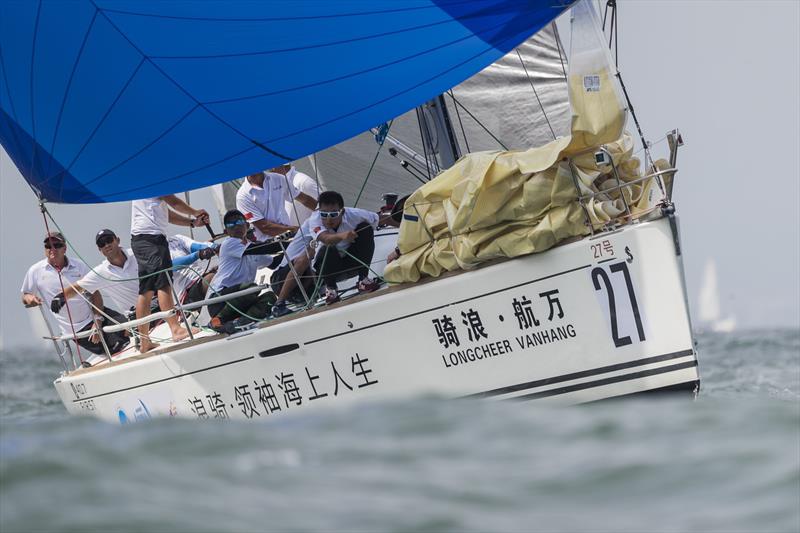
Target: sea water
x=727 y=461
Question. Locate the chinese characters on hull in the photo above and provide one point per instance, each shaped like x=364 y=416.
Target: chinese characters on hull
x=529 y=315
x=284 y=392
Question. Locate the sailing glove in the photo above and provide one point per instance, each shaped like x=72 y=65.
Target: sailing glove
x=206 y=253
x=58 y=302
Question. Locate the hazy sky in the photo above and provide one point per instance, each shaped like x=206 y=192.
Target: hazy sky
x=726 y=73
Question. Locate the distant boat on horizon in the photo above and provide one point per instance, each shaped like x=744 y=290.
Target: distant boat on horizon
x=710 y=314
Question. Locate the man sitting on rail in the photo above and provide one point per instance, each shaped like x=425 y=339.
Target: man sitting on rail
x=239 y=260
x=43 y=286
x=347 y=236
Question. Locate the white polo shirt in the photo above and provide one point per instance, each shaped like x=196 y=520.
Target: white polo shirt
x=180 y=246
x=149 y=217
x=313 y=228
x=42 y=280
x=267 y=202
x=235 y=267
x=118 y=285
x=306 y=184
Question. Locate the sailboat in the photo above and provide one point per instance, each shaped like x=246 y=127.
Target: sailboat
x=710 y=314
x=549 y=268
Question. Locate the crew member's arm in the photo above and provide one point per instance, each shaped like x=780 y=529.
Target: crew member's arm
x=272 y=228
x=97 y=302
x=61 y=298
x=182 y=207
x=31 y=300
x=306 y=200
x=329 y=238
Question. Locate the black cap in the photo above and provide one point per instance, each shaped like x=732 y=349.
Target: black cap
x=103 y=233
x=54 y=236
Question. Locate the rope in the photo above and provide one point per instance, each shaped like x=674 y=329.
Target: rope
x=372 y=166
x=61 y=282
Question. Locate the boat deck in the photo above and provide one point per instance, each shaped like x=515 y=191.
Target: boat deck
x=131 y=354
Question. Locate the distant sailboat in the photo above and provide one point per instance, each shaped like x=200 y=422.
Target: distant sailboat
x=710 y=314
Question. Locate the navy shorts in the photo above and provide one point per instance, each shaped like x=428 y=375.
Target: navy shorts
x=152 y=255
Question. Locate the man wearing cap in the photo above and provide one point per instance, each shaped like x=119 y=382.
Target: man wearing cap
x=116 y=276
x=149 y=219
x=262 y=197
x=43 y=286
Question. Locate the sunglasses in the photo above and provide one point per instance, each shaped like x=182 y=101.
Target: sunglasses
x=235 y=223
x=330 y=214
x=56 y=245
x=104 y=241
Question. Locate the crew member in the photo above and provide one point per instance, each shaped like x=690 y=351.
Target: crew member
x=191 y=284
x=239 y=260
x=149 y=218
x=296 y=210
x=42 y=286
x=347 y=240
x=261 y=199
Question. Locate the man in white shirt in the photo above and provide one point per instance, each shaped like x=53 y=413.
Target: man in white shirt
x=261 y=199
x=191 y=280
x=239 y=260
x=296 y=210
x=116 y=277
x=347 y=239
x=44 y=283
x=149 y=218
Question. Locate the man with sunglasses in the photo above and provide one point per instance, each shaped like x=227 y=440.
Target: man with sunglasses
x=43 y=286
x=347 y=240
x=262 y=197
x=239 y=260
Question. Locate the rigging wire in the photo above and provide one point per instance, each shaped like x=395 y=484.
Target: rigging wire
x=460 y=123
x=492 y=135
x=530 y=80
x=61 y=282
x=372 y=166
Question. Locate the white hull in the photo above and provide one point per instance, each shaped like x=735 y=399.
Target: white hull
x=387 y=345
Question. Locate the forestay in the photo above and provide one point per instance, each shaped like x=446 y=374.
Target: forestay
x=107 y=101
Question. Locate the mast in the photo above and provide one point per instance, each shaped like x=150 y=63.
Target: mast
x=438 y=135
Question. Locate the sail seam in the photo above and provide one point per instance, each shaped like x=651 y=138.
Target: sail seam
x=279 y=19
x=67 y=89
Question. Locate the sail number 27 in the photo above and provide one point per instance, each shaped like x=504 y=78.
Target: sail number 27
x=602 y=281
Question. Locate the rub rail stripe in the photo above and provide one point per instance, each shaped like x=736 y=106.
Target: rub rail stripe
x=162 y=380
x=606 y=381
x=582 y=374
x=529 y=282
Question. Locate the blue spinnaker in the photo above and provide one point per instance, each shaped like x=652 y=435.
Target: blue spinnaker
x=103 y=101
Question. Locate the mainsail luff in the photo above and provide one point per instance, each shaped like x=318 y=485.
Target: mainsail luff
x=109 y=101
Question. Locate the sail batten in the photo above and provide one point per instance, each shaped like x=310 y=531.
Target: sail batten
x=109 y=101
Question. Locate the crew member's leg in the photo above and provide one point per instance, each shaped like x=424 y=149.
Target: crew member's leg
x=147 y=259
x=359 y=254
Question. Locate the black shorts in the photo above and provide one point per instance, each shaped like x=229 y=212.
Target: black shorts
x=152 y=255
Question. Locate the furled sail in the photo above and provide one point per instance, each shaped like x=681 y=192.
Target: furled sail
x=107 y=100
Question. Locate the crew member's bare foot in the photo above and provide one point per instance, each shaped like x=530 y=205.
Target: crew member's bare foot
x=181 y=334
x=146 y=345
